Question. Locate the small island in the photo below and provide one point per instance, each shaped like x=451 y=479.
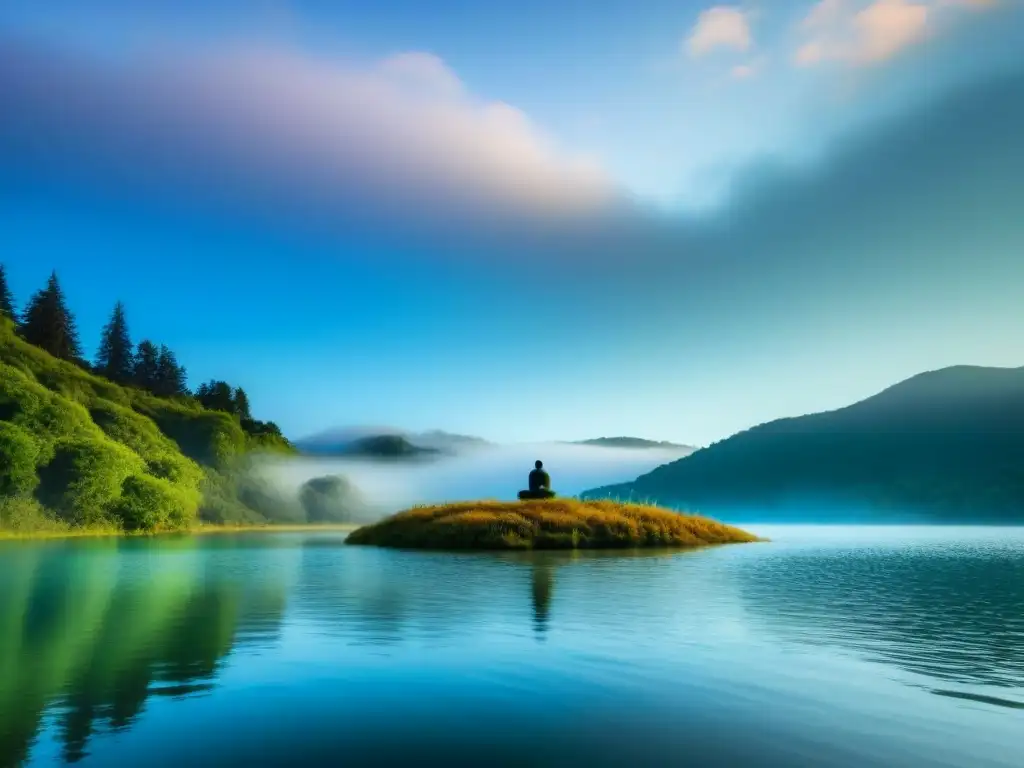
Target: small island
x=545 y=524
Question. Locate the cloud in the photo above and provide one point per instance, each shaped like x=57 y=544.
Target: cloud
x=749 y=69
x=838 y=31
x=311 y=134
x=862 y=34
x=720 y=27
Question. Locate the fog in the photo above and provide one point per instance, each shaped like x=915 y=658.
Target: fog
x=492 y=471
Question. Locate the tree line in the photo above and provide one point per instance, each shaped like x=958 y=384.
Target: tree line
x=47 y=323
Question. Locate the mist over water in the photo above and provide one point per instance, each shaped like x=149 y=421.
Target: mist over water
x=491 y=471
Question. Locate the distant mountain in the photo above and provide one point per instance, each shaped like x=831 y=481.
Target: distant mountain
x=944 y=446
x=631 y=442
x=387 y=446
x=386 y=442
x=441 y=440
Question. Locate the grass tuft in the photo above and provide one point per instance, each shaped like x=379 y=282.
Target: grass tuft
x=547 y=524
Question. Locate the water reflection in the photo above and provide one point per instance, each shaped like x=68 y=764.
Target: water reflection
x=92 y=629
x=949 y=611
x=585 y=655
x=543 y=583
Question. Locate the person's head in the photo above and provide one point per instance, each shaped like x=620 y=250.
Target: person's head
x=538 y=463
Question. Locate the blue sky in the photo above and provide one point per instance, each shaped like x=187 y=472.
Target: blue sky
x=527 y=221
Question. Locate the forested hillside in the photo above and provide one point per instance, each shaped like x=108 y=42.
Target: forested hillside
x=118 y=443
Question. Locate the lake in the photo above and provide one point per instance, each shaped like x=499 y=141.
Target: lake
x=829 y=646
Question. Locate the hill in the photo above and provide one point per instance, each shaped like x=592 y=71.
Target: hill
x=631 y=442
x=382 y=442
x=944 y=446
x=549 y=524
x=386 y=447
x=79 y=450
x=382 y=446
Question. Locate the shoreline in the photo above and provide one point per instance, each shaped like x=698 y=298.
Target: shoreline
x=199 y=530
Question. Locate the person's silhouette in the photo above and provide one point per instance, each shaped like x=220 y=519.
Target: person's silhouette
x=539 y=483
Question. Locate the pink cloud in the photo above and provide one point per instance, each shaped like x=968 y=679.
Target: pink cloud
x=720 y=27
x=863 y=34
x=401 y=131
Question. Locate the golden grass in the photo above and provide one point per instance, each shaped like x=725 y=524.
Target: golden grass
x=548 y=524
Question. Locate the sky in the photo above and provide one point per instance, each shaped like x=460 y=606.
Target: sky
x=527 y=221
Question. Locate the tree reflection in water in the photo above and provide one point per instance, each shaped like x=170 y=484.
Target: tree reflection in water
x=89 y=630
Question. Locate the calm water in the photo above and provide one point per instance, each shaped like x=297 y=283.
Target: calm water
x=827 y=647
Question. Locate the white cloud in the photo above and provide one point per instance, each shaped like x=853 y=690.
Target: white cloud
x=862 y=34
x=749 y=69
x=888 y=26
x=839 y=31
x=403 y=131
x=720 y=27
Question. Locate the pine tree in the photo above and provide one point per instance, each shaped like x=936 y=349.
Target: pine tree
x=146 y=369
x=241 y=403
x=170 y=377
x=48 y=324
x=6 y=299
x=114 y=358
x=217 y=396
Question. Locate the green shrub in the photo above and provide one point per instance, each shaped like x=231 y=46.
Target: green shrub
x=25 y=515
x=176 y=469
x=142 y=436
x=47 y=417
x=83 y=480
x=220 y=503
x=149 y=504
x=266 y=498
x=73 y=439
x=208 y=437
x=330 y=499
x=18 y=456
x=130 y=429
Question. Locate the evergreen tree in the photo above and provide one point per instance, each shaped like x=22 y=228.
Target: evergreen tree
x=241 y=404
x=146 y=373
x=170 y=377
x=217 y=396
x=6 y=299
x=114 y=358
x=48 y=324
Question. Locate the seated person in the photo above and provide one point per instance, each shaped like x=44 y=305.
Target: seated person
x=540 y=484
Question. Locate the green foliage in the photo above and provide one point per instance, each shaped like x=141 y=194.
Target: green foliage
x=22 y=515
x=82 y=483
x=551 y=524
x=220 y=396
x=171 y=378
x=149 y=503
x=146 y=366
x=115 y=360
x=221 y=502
x=6 y=299
x=141 y=435
x=207 y=437
x=18 y=456
x=82 y=450
x=45 y=416
x=330 y=499
x=241 y=403
x=217 y=396
x=48 y=324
